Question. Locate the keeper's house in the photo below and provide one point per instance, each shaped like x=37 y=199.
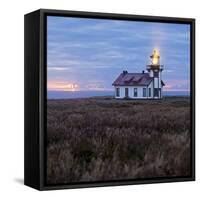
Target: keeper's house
x=141 y=85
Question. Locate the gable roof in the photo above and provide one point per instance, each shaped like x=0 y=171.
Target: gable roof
x=133 y=79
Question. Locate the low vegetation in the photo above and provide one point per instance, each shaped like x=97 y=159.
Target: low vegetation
x=96 y=139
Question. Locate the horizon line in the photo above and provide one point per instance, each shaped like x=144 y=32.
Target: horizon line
x=107 y=90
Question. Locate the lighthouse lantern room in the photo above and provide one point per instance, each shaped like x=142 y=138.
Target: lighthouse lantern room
x=155 y=71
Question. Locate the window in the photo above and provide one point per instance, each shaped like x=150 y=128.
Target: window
x=144 y=92
x=126 y=92
x=156 y=92
x=155 y=74
x=117 y=92
x=135 y=92
x=149 y=92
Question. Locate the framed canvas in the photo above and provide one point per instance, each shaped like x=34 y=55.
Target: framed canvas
x=109 y=99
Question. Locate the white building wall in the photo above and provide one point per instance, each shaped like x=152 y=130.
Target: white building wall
x=150 y=86
x=131 y=91
x=151 y=73
x=140 y=92
x=156 y=83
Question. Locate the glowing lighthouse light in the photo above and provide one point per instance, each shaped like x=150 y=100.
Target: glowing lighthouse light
x=155 y=57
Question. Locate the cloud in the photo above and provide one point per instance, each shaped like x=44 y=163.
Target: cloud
x=95 y=85
x=57 y=69
x=62 y=86
x=168 y=71
x=177 y=85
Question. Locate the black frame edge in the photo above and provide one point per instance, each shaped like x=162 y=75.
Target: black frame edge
x=118 y=183
x=102 y=15
x=31 y=99
x=193 y=96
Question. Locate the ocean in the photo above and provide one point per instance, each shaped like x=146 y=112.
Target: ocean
x=86 y=94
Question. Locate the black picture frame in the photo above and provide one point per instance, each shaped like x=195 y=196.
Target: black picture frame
x=35 y=63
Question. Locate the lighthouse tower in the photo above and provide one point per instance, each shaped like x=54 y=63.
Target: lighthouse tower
x=155 y=71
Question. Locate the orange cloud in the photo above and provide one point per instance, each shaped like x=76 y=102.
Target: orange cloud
x=62 y=86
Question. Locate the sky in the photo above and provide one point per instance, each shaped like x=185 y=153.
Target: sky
x=89 y=54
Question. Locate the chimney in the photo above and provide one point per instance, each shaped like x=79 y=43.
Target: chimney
x=124 y=72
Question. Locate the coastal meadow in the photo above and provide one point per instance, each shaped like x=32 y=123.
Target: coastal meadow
x=101 y=138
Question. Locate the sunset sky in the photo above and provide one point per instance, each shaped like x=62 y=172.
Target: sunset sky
x=88 y=54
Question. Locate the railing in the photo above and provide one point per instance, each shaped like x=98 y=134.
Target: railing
x=154 y=67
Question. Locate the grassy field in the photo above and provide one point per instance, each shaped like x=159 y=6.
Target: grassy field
x=101 y=138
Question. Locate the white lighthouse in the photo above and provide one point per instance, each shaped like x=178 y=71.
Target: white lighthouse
x=155 y=71
x=145 y=85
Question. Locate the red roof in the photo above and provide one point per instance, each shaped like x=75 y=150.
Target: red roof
x=133 y=79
